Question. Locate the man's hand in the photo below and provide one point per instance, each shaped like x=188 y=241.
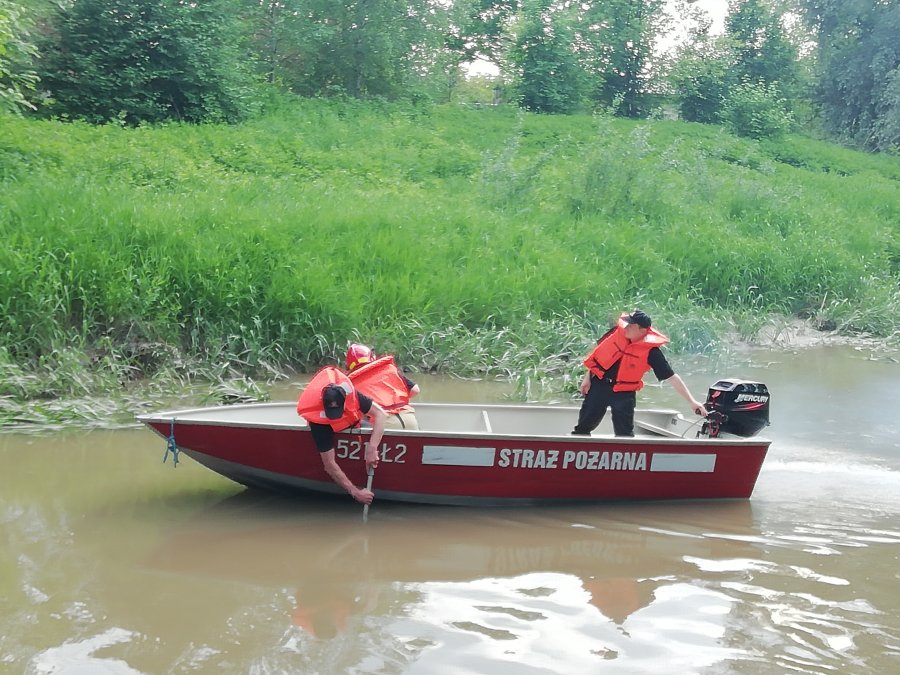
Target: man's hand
x=371 y=457
x=362 y=495
x=585 y=385
x=699 y=410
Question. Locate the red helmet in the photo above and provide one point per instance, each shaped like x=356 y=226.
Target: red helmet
x=358 y=355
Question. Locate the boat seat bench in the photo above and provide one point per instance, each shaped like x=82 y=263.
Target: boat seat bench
x=655 y=430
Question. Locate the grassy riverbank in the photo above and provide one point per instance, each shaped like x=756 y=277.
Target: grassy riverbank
x=468 y=241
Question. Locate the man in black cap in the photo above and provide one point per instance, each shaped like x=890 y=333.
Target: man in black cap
x=616 y=368
x=333 y=398
x=330 y=404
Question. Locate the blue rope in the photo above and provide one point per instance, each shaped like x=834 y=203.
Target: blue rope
x=171 y=446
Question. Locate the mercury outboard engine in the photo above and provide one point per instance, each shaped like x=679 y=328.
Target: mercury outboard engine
x=736 y=407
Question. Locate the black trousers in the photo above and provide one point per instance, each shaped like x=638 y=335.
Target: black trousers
x=600 y=397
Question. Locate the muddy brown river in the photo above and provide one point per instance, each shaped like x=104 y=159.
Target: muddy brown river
x=112 y=562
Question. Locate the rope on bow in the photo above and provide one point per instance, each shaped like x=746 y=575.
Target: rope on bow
x=171 y=446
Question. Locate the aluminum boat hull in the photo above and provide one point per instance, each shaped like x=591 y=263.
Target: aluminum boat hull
x=475 y=454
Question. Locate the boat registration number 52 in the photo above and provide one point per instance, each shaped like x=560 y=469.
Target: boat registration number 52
x=351 y=449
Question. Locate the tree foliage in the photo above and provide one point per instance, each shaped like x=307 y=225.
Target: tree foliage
x=550 y=78
x=751 y=68
x=702 y=76
x=480 y=28
x=859 y=57
x=566 y=52
x=756 y=110
x=18 y=79
x=359 y=48
x=152 y=60
x=143 y=61
x=763 y=53
x=615 y=44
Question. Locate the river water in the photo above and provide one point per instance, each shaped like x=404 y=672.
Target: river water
x=113 y=562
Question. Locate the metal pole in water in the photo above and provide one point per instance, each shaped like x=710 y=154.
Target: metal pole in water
x=371 y=473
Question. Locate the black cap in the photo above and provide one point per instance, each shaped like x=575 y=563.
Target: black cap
x=638 y=317
x=333 y=399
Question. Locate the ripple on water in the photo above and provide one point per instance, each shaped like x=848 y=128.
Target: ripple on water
x=76 y=657
x=558 y=623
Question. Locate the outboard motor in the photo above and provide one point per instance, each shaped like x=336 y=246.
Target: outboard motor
x=736 y=407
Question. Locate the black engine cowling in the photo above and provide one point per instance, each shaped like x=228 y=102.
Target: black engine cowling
x=736 y=407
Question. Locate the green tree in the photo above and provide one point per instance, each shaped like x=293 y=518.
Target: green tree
x=264 y=22
x=479 y=29
x=752 y=66
x=359 y=48
x=703 y=74
x=17 y=53
x=756 y=110
x=474 y=30
x=886 y=130
x=858 y=53
x=615 y=44
x=549 y=77
x=763 y=52
x=144 y=61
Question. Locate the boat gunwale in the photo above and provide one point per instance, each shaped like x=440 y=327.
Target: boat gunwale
x=184 y=417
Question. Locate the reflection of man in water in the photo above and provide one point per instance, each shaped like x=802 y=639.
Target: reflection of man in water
x=620 y=597
x=324 y=610
x=326 y=600
x=320 y=612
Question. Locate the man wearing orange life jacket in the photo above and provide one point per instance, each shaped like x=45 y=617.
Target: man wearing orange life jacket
x=382 y=381
x=330 y=403
x=616 y=369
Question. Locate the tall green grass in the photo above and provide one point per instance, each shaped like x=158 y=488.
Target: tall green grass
x=463 y=240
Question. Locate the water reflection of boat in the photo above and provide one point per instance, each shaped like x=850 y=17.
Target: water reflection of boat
x=485 y=454
x=325 y=555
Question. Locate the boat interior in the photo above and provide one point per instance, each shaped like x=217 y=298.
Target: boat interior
x=543 y=420
x=456 y=418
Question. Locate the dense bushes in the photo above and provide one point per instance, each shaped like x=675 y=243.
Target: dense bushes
x=756 y=111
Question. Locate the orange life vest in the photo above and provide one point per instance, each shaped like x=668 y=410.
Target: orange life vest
x=311 y=408
x=633 y=355
x=381 y=381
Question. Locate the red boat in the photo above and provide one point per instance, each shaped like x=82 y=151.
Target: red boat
x=469 y=454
